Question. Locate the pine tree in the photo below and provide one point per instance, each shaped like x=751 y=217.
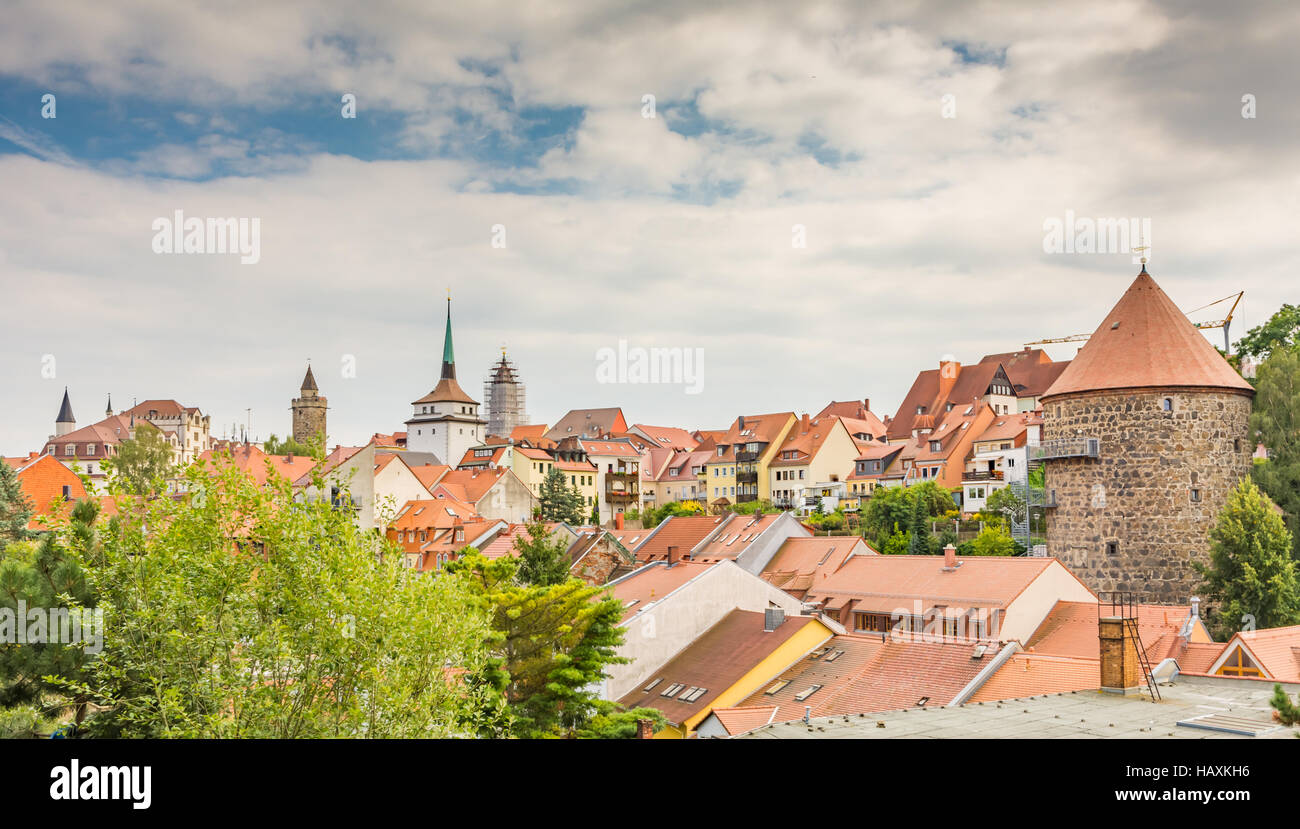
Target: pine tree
x=918 y=531
x=558 y=501
x=542 y=561
x=1285 y=711
x=15 y=508
x=1251 y=572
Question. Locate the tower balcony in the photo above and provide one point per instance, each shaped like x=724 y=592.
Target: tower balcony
x=1065 y=448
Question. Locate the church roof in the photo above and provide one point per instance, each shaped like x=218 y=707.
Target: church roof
x=309 y=382
x=447 y=390
x=65 y=411
x=1146 y=342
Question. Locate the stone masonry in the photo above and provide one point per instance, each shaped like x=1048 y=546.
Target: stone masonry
x=1136 y=517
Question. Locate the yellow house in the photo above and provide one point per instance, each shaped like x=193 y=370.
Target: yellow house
x=815 y=459
x=727 y=663
x=738 y=468
x=532 y=466
x=580 y=474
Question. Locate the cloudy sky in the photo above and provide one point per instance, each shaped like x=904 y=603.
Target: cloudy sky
x=924 y=234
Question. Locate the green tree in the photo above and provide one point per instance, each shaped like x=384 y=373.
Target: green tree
x=1250 y=572
x=550 y=644
x=992 y=541
x=46 y=577
x=15 y=507
x=918 y=528
x=142 y=462
x=542 y=561
x=1276 y=420
x=239 y=612
x=1288 y=712
x=558 y=501
x=1003 y=506
x=1280 y=332
x=313 y=448
x=612 y=724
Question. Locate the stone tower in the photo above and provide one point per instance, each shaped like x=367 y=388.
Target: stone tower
x=65 y=422
x=309 y=412
x=445 y=421
x=503 y=394
x=1144 y=435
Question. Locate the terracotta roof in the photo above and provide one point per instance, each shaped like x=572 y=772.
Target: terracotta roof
x=588 y=423
x=1032 y=674
x=739 y=720
x=1276 y=649
x=801 y=562
x=43 y=481
x=762 y=428
x=1146 y=342
x=867 y=673
x=735 y=537
x=805 y=440
x=1030 y=370
x=621 y=448
x=447 y=390
x=164 y=408
x=1070 y=629
x=682 y=531
x=432 y=513
x=668 y=436
x=714 y=662
x=885 y=583
x=534 y=454
x=339 y=455
x=1199 y=657
x=470 y=484
x=934 y=389
x=252 y=461
x=1008 y=427
x=651 y=583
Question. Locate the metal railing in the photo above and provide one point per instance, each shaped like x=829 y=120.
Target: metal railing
x=1065 y=448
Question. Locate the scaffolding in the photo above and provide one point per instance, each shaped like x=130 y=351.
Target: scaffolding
x=503 y=395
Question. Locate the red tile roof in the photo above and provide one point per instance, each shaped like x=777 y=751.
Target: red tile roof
x=253 y=462
x=1070 y=629
x=863 y=674
x=668 y=436
x=470 y=484
x=801 y=562
x=735 y=537
x=592 y=423
x=43 y=481
x=1031 y=674
x=1277 y=650
x=715 y=661
x=1146 y=342
x=652 y=583
x=681 y=531
x=740 y=720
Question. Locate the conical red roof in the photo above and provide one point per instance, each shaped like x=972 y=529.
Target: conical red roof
x=1146 y=342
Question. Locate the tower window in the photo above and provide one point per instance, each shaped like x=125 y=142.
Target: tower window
x=1196 y=496
x=1167 y=404
x=1236 y=444
x=1112 y=548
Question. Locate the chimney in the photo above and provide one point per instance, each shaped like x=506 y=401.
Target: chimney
x=772 y=618
x=949 y=558
x=1196 y=608
x=740 y=423
x=645 y=729
x=804 y=425
x=618 y=521
x=866 y=403
x=1121 y=672
x=674 y=555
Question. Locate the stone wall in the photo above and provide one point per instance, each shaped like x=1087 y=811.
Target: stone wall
x=309 y=418
x=1154 y=492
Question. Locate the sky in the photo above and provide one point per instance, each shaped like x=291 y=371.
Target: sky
x=827 y=200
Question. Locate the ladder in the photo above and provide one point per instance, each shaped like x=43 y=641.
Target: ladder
x=1131 y=625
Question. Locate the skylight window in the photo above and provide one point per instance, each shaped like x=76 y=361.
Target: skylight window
x=651 y=686
x=693 y=694
x=833 y=656
x=807 y=692
x=775 y=687
x=672 y=690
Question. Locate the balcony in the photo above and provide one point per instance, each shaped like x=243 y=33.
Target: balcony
x=1065 y=448
x=746 y=478
x=995 y=475
x=621 y=487
x=746 y=457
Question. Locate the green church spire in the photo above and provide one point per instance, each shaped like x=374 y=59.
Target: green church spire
x=448 y=354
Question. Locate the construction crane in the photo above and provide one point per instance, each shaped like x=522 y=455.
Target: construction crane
x=1224 y=323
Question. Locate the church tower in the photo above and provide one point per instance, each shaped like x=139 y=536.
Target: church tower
x=445 y=421
x=65 y=422
x=309 y=411
x=503 y=394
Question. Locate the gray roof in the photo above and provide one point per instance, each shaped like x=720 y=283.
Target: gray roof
x=1239 y=706
x=65 y=411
